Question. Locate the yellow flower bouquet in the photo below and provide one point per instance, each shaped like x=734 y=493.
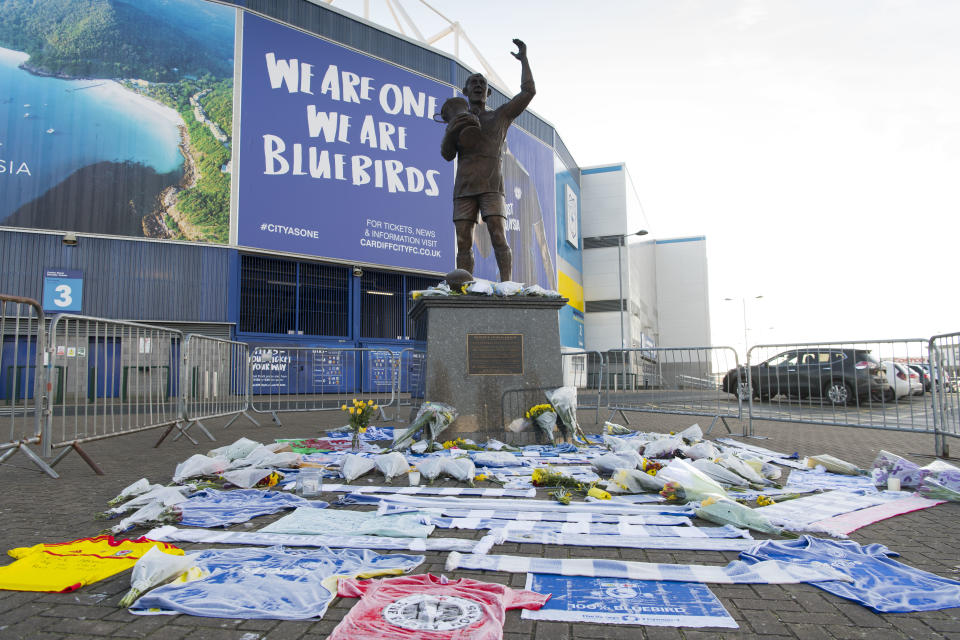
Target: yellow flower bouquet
x=360 y=413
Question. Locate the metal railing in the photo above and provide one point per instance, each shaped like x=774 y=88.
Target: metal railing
x=671 y=380
x=285 y=379
x=215 y=381
x=944 y=373
x=22 y=344
x=865 y=383
x=106 y=378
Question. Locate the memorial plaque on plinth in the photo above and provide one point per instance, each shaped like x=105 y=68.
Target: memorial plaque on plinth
x=477 y=347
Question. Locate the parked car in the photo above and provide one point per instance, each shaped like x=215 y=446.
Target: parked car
x=903 y=381
x=924 y=376
x=841 y=376
x=944 y=381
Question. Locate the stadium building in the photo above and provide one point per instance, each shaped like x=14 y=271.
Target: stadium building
x=269 y=171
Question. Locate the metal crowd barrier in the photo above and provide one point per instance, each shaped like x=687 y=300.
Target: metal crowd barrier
x=865 y=383
x=944 y=368
x=215 y=382
x=284 y=379
x=22 y=344
x=672 y=380
x=585 y=371
x=106 y=378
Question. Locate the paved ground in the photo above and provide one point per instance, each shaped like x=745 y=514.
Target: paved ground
x=35 y=508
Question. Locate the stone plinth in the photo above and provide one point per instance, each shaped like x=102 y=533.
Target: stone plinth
x=480 y=346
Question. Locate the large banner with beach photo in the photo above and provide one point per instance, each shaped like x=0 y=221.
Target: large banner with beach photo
x=126 y=128
x=118 y=116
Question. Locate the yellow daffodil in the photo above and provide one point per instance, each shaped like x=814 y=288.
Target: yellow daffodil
x=600 y=494
x=352 y=410
x=343 y=407
x=480 y=477
x=709 y=501
x=416 y=294
x=375 y=407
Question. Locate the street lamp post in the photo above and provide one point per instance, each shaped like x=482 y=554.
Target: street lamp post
x=621 y=239
x=743 y=302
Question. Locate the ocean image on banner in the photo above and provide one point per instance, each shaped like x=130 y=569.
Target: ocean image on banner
x=116 y=117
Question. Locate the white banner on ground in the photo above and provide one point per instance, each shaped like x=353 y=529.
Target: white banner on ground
x=173 y=534
x=545 y=516
x=810 y=509
x=488 y=492
x=737 y=572
x=605 y=506
x=626 y=542
x=589 y=528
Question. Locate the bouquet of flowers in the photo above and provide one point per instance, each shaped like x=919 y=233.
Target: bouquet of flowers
x=360 y=413
x=890 y=465
x=725 y=511
x=545 y=417
x=153 y=569
x=686 y=482
x=564 y=401
x=434 y=416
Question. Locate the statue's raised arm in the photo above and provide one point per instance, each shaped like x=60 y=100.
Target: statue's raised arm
x=527 y=88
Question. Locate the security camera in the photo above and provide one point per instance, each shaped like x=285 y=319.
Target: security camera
x=357 y=272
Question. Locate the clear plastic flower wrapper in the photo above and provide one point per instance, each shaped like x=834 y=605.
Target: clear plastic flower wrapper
x=945 y=474
x=664 y=448
x=354 y=466
x=610 y=462
x=613 y=429
x=496 y=459
x=537 y=290
x=702 y=450
x=430 y=467
x=564 y=401
x=435 y=417
x=634 y=481
x=685 y=482
x=546 y=421
x=691 y=434
x=508 y=288
x=139 y=487
x=480 y=287
x=249 y=477
x=934 y=490
x=834 y=465
x=889 y=465
x=267 y=456
x=239 y=449
x=722 y=510
x=720 y=474
x=199 y=465
x=741 y=468
x=461 y=469
x=392 y=465
x=167 y=496
x=155 y=512
x=152 y=570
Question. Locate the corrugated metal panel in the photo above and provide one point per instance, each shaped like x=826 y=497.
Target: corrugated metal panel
x=381 y=305
x=566 y=157
x=288 y=297
x=353 y=33
x=123 y=279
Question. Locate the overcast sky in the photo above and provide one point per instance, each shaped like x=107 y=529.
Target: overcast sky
x=815 y=143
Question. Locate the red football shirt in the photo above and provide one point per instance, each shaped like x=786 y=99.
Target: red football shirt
x=430 y=608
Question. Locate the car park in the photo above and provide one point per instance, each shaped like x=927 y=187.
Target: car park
x=839 y=376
